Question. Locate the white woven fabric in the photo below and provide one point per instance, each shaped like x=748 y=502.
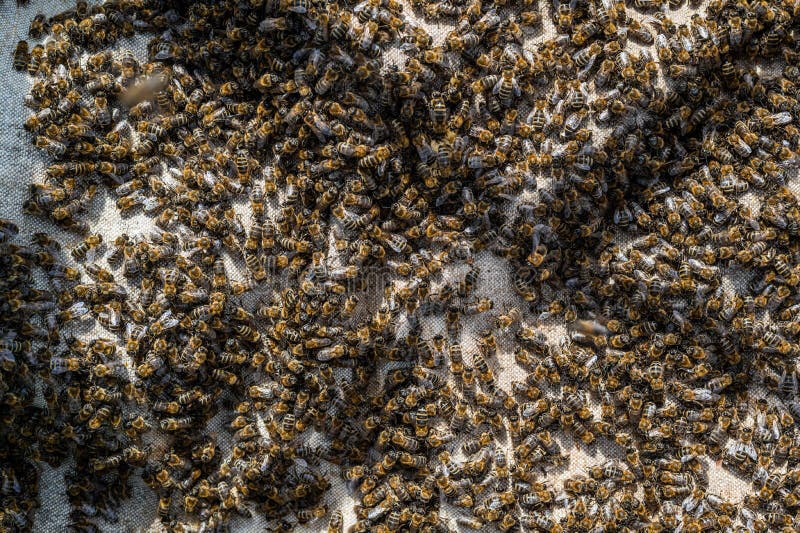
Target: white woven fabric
x=21 y=164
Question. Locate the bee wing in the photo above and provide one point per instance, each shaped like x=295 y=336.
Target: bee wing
x=7 y=355
x=92 y=254
x=782 y=118
x=163 y=55
x=78 y=309
x=584 y=72
x=497 y=86
x=150 y=204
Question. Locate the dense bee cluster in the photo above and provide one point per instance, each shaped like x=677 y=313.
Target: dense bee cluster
x=19 y=302
x=632 y=171
x=51 y=409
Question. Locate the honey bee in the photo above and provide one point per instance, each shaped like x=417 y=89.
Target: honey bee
x=22 y=56
x=336 y=522
x=506 y=87
x=39 y=25
x=35 y=61
x=307 y=515
x=87 y=247
x=438 y=113
x=511 y=317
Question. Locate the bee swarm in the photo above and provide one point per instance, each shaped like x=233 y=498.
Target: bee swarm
x=611 y=166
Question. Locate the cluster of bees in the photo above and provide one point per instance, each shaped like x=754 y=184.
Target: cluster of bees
x=52 y=409
x=274 y=135
x=19 y=301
